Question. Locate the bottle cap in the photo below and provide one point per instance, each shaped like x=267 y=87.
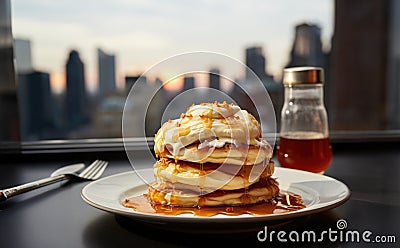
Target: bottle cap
x=303 y=75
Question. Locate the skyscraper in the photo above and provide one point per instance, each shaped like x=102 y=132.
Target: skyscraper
x=307 y=51
x=23 y=55
x=106 y=70
x=36 y=105
x=214 y=79
x=358 y=82
x=76 y=98
x=188 y=83
x=255 y=60
x=307 y=46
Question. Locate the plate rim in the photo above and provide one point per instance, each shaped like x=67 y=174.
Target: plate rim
x=158 y=218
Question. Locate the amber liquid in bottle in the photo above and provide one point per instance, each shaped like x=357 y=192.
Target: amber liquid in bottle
x=304 y=151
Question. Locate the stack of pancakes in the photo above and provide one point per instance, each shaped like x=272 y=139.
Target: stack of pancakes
x=213 y=155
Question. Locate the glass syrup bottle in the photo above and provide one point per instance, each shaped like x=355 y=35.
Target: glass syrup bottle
x=304 y=135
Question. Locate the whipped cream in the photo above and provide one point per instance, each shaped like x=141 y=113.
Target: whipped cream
x=211 y=125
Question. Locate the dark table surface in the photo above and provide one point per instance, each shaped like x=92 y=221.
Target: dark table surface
x=56 y=216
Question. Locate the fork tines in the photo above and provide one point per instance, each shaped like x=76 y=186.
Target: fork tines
x=94 y=170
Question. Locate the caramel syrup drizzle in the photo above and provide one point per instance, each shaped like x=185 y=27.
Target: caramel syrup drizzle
x=283 y=203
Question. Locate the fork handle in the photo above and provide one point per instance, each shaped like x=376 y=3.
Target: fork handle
x=10 y=192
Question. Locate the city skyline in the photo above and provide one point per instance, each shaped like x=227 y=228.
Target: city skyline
x=78 y=113
x=174 y=82
x=144 y=33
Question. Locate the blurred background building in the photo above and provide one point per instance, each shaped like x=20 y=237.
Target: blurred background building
x=106 y=72
x=214 y=79
x=37 y=106
x=23 y=55
x=130 y=81
x=359 y=85
x=307 y=46
x=307 y=50
x=256 y=62
x=188 y=83
x=76 y=96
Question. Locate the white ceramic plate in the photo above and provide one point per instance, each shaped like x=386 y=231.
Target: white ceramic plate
x=319 y=193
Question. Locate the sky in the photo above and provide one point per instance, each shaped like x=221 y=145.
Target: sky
x=141 y=33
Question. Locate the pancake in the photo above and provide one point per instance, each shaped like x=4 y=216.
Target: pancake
x=228 y=154
x=213 y=132
x=209 y=176
x=264 y=190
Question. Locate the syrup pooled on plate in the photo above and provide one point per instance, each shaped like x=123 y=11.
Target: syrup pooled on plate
x=285 y=202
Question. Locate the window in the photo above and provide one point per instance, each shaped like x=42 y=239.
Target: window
x=76 y=61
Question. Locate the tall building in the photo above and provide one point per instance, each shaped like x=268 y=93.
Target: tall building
x=307 y=46
x=255 y=60
x=106 y=70
x=214 y=79
x=188 y=83
x=358 y=81
x=35 y=105
x=23 y=55
x=76 y=99
x=307 y=51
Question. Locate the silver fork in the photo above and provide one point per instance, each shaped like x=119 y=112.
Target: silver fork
x=92 y=172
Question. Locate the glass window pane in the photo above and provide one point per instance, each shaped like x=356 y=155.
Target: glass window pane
x=77 y=60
